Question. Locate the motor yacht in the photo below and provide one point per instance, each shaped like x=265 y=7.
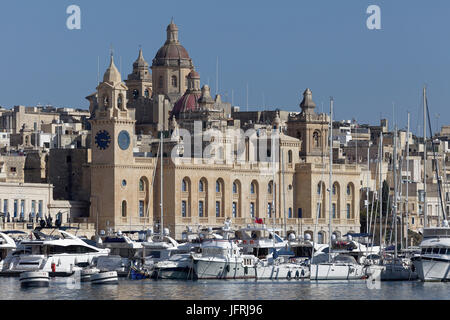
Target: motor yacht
x=59 y=253
x=433 y=263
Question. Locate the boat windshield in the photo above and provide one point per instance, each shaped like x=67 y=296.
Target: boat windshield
x=344 y=259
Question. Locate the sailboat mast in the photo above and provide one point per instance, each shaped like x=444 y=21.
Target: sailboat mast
x=425 y=159
x=367 y=190
x=407 y=182
x=330 y=184
x=162 y=184
x=380 y=161
x=395 y=192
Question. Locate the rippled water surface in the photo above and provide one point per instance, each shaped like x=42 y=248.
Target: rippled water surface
x=225 y=290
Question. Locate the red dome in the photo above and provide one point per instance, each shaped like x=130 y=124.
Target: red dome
x=172 y=51
x=188 y=102
x=193 y=75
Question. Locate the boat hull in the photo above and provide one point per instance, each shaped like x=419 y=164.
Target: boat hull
x=214 y=269
x=34 y=279
x=432 y=269
x=105 y=278
x=331 y=271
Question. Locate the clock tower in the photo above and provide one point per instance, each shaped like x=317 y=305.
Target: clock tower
x=112 y=131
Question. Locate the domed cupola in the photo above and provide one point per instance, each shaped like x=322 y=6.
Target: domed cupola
x=112 y=75
x=206 y=102
x=172 y=52
x=189 y=101
x=140 y=69
x=307 y=104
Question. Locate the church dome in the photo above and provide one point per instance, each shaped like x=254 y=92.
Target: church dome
x=187 y=103
x=172 y=49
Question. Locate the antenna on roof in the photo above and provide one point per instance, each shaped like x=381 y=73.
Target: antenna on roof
x=217 y=75
x=247 y=96
x=98 y=70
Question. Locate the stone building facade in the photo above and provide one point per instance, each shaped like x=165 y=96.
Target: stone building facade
x=206 y=189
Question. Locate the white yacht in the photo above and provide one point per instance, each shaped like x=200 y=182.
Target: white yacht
x=7 y=245
x=58 y=255
x=274 y=257
x=123 y=250
x=433 y=264
x=222 y=259
x=341 y=267
x=260 y=241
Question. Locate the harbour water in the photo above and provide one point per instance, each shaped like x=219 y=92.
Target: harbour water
x=226 y=290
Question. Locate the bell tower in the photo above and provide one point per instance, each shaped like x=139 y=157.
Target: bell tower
x=311 y=129
x=112 y=131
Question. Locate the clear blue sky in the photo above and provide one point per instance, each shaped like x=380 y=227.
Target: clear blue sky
x=278 y=47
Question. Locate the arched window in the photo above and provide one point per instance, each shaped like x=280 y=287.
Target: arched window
x=349 y=189
x=252 y=188
x=318 y=188
x=234 y=187
x=201 y=186
x=184 y=186
x=321 y=237
x=290 y=156
x=147 y=93
x=124 y=208
x=217 y=186
x=135 y=94
x=270 y=187
x=334 y=189
x=105 y=101
x=120 y=101
x=141 y=185
x=316 y=139
x=160 y=82
x=174 y=82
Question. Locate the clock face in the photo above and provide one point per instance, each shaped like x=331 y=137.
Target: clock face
x=124 y=140
x=102 y=139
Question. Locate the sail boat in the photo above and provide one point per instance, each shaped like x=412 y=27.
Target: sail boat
x=433 y=264
x=341 y=266
x=396 y=268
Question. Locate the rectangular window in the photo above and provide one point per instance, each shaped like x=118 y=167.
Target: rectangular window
x=234 y=209
x=33 y=208
x=200 y=208
x=299 y=213
x=5 y=206
x=183 y=209
x=290 y=213
x=319 y=208
x=141 y=208
x=41 y=204
x=16 y=207
x=252 y=209
x=217 y=208
x=269 y=210
x=334 y=210
x=412 y=220
x=22 y=207
x=348 y=211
